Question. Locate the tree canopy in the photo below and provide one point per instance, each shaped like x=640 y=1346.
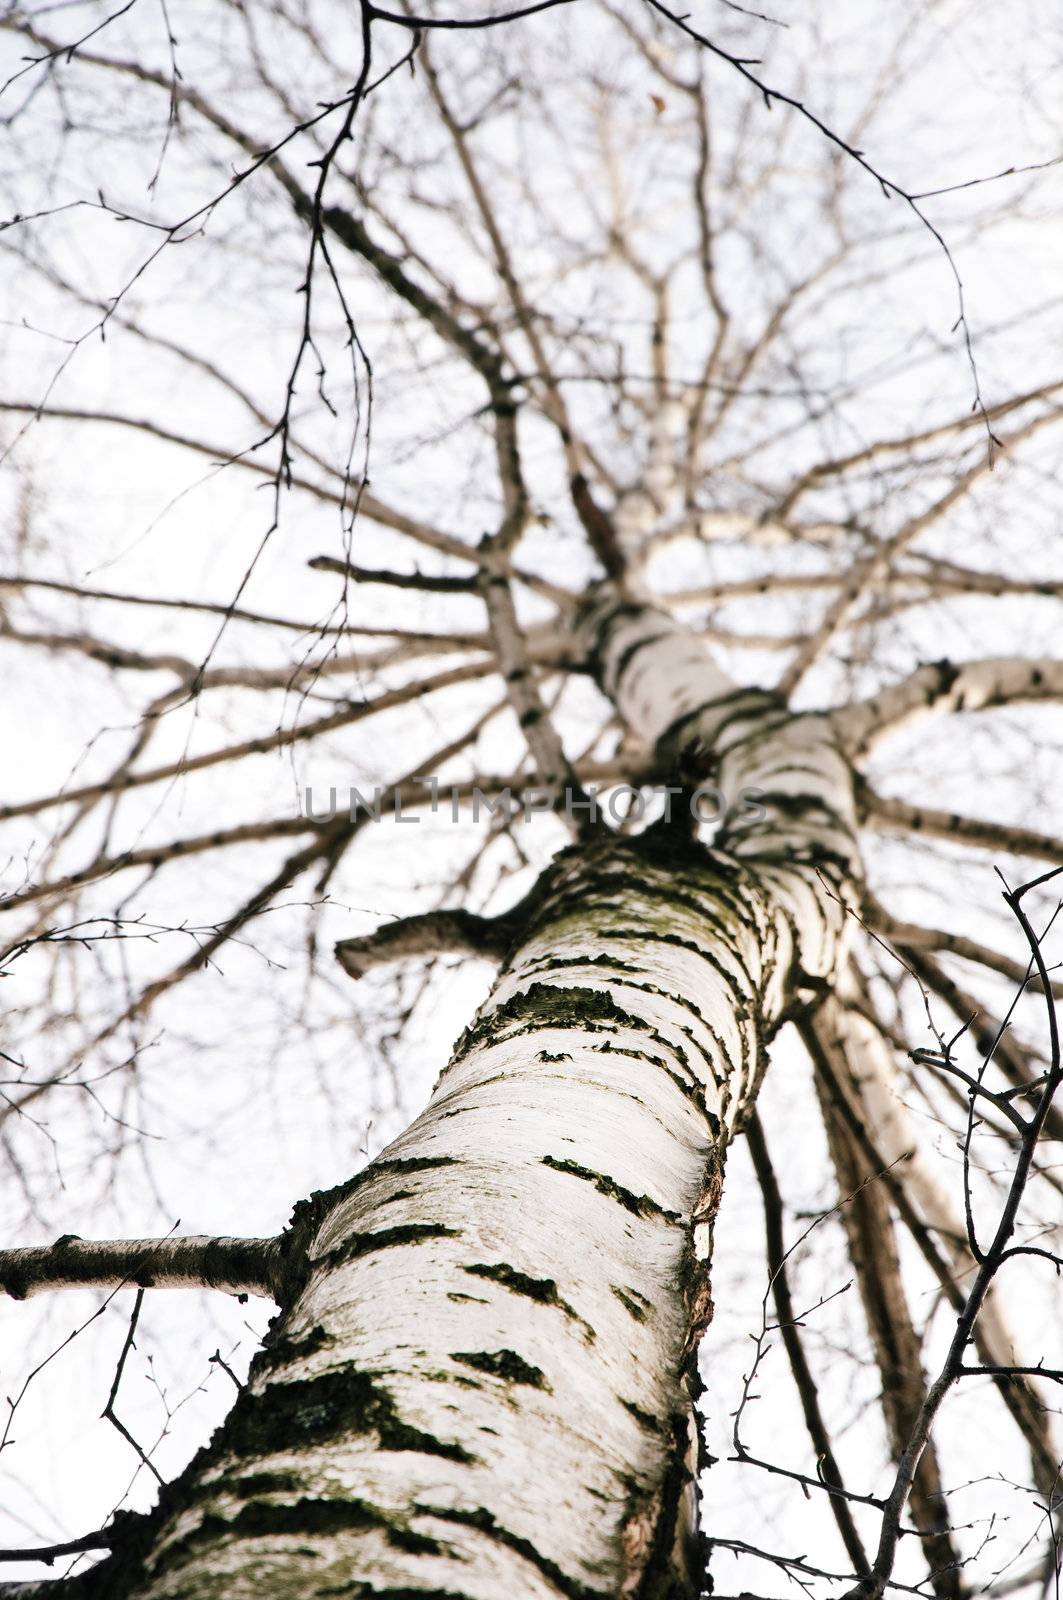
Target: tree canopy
x=321 y=321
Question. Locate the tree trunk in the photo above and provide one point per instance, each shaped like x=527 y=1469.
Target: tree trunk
x=484 y=1385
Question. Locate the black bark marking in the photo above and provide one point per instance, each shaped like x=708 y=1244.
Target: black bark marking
x=359 y=1589
x=284 y=1349
x=334 y=1405
x=645 y=1419
x=748 y=704
x=308 y=1215
x=548 y=1005
x=640 y=1205
x=643 y=986
x=505 y=1364
x=628 y=654
x=249 y=1485
x=408 y=1164
x=284 y=1418
x=363 y=1244
x=947 y=673
x=484 y=1522
x=544 y=1290
x=629 y=1304
x=307 y=1518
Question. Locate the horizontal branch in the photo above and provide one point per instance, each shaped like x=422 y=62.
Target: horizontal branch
x=1055 y=1374
x=103 y=650
x=435 y=933
x=904 y=446
x=397 y=580
x=48 y=1553
x=397 y=800
x=264 y=744
x=215 y=608
x=369 y=505
x=910 y=935
x=156 y=856
x=235 y=1266
x=944 y=686
x=888 y=814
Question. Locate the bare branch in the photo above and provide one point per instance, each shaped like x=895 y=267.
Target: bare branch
x=891 y=814
x=826 y=1463
x=435 y=933
x=944 y=686
x=197 y=1261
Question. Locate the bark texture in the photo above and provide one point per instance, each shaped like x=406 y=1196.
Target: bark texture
x=484 y=1386
x=235 y=1266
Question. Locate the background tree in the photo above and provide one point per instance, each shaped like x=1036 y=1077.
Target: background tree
x=591 y=294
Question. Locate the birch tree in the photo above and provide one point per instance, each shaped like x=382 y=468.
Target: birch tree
x=618 y=413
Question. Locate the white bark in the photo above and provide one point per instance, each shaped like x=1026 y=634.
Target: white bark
x=484 y=1387
x=787 y=786
x=944 y=686
x=233 y=1266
